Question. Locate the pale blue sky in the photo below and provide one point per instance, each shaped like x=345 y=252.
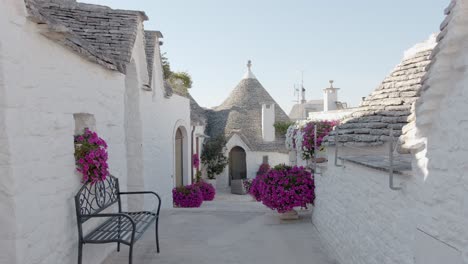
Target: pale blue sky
x=356 y=43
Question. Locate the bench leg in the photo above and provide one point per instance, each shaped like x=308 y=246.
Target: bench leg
x=157 y=235
x=130 y=254
x=118 y=246
x=80 y=252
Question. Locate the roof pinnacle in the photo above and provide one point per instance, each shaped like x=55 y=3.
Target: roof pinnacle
x=249 y=74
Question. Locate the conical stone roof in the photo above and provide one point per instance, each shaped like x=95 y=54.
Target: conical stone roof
x=241 y=113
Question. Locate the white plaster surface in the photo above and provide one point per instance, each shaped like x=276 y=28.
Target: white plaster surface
x=253 y=158
x=42 y=86
x=359 y=218
x=230 y=229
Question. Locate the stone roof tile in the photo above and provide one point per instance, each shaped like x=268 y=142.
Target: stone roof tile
x=101 y=34
x=241 y=113
x=388 y=106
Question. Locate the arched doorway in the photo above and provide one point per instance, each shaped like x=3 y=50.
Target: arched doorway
x=179 y=158
x=237 y=164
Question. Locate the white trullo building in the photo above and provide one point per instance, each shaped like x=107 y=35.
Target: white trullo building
x=65 y=66
x=246 y=118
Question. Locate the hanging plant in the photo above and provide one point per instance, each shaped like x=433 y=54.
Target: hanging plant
x=91 y=157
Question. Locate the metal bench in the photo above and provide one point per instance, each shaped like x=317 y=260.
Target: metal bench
x=121 y=227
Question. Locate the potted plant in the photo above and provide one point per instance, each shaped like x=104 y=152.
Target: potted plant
x=213 y=158
x=187 y=196
x=91 y=157
x=283 y=188
x=208 y=190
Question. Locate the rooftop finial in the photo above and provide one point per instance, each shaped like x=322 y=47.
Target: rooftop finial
x=249 y=74
x=331 y=83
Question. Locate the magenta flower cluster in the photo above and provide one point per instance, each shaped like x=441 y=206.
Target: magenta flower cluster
x=91 y=157
x=264 y=168
x=284 y=188
x=308 y=144
x=196 y=161
x=187 y=196
x=247 y=183
x=208 y=190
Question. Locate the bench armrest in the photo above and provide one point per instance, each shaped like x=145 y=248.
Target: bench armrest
x=146 y=192
x=114 y=215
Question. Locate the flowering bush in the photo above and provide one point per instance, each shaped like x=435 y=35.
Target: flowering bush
x=91 y=157
x=256 y=187
x=264 y=168
x=187 y=196
x=247 y=184
x=196 y=161
x=207 y=190
x=308 y=142
x=284 y=188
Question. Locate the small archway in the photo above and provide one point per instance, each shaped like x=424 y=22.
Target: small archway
x=237 y=164
x=179 y=158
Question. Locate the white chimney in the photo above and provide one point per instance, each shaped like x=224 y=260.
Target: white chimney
x=268 y=121
x=330 y=97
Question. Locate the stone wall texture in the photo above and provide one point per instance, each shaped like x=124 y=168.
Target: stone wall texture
x=359 y=217
x=363 y=221
x=42 y=85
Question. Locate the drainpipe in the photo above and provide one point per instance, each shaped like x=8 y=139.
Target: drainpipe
x=191 y=157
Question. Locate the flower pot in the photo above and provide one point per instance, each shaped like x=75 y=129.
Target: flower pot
x=237 y=187
x=289 y=215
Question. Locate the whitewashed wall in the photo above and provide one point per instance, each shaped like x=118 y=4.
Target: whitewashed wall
x=331 y=115
x=254 y=160
x=162 y=116
x=359 y=218
x=440 y=147
x=45 y=84
x=7 y=183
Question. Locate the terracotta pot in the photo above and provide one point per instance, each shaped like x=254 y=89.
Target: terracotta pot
x=289 y=215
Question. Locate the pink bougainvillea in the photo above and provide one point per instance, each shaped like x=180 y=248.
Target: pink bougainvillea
x=187 y=196
x=196 y=161
x=284 y=188
x=208 y=190
x=91 y=157
x=308 y=144
x=264 y=168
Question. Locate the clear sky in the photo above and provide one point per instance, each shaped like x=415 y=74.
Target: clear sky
x=356 y=43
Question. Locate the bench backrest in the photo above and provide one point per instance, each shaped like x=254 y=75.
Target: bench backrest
x=94 y=198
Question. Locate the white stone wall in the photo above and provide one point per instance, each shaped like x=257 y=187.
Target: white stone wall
x=440 y=145
x=7 y=205
x=162 y=116
x=359 y=218
x=254 y=160
x=45 y=84
x=331 y=115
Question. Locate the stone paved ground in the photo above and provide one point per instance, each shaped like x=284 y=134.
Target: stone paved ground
x=232 y=229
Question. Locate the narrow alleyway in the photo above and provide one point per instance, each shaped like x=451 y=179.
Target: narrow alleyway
x=232 y=229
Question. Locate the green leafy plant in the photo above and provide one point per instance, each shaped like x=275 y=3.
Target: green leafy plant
x=213 y=157
x=282 y=127
x=180 y=81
